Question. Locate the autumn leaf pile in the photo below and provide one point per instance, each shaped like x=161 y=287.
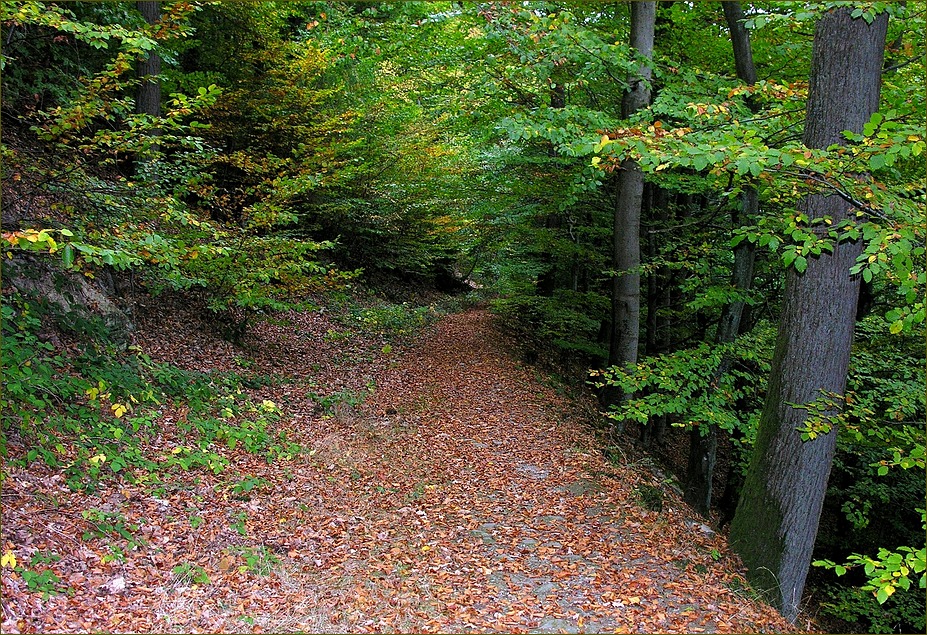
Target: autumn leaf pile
x=458 y=492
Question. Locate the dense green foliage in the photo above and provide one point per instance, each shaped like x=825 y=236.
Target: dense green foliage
x=305 y=148
x=87 y=413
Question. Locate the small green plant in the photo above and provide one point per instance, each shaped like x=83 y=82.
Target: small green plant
x=417 y=492
x=258 y=560
x=243 y=488
x=115 y=554
x=343 y=398
x=244 y=363
x=189 y=572
x=44 y=582
x=239 y=520
x=104 y=524
x=47 y=557
x=337 y=336
x=650 y=497
x=189 y=458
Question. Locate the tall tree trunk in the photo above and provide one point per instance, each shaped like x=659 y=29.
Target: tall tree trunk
x=780 y=506
x=703 y=444
x=626 y=249
x=148 y=96
x=655 y=209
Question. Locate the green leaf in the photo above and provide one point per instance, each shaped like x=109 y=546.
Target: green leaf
x=67 y=256
x=896 y=327
x=876 y=162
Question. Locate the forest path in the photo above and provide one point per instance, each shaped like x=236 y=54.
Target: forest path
x=461 y=495
x=478 y=504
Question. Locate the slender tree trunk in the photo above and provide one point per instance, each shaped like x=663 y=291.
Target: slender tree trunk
x=148 y=97
x=653 y=430
x=547 y=281
x=777 y=518
x=740 y=40
x=703 y=444
x=148 y=100
x=626 y=255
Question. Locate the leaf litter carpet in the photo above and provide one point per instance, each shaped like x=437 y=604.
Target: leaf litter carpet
x=463 y=495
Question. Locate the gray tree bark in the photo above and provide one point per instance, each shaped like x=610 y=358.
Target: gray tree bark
x=626 y=249
x=777 y=518
x=148 y=99
x=703 y=445
x=148 y=96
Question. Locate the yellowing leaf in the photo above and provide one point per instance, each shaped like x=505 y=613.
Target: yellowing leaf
x=8 y=559
x=99 y=458
x=119 y=409
x=634 y=600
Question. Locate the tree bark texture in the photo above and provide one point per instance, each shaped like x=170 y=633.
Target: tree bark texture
x=148 y=95
x=659 y=286
x=703 y=445
x=626 y=254
x=740 y=40
x=777 y=518
x=148 y=100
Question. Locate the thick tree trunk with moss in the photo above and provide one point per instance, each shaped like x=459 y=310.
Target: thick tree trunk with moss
x=777 y=518
x=626 y=248
x=703 y=444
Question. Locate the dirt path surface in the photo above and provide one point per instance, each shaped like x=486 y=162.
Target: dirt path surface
x=463 y=495
x=510 y=520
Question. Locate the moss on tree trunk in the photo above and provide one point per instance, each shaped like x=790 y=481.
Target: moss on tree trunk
x=776 y=521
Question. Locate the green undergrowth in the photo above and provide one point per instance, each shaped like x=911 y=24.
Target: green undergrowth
x=95 y=413
x=391 y=321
